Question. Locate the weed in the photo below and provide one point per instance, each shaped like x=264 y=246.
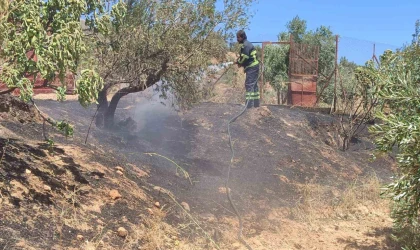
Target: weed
x=183 y=171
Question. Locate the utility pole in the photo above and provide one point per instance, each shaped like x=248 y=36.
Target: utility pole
x=335 y=73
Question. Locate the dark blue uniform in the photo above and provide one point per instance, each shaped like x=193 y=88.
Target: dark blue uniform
x=248 y=60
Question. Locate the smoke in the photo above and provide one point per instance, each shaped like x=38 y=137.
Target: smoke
x=150 y=109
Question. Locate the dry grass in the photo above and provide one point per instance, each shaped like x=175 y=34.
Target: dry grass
x=69 y=211
x=79 y=206
x=153 y=233
x=318 y=202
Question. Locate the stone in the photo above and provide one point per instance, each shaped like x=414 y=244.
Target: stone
x=119 y=169
x=27 y=171
x=80 y=237
x=157 y=204
x=120 y=172
x=114 y=194
x=122 y=232
x=47 y=188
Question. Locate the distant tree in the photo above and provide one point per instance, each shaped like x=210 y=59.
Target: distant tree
x=275 y=69
x=346 y=78
x=297 y=28
x=322 y=37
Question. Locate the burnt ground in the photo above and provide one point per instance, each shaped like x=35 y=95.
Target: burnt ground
x=278 y=150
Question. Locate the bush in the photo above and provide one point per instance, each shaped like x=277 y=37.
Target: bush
x=397 y=88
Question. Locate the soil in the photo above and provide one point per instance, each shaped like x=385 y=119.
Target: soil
x=291 y=184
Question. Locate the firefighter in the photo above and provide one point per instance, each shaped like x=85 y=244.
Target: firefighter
x=248 y=60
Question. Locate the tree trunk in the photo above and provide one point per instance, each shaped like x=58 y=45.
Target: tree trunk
x=278 y=97
x=346 y=142
x=110 y=111
x=102 y=107
x=284 y=97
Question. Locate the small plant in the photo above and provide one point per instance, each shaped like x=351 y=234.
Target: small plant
x=407 y=232
x=50 y=145
x=358 y=103
x=65 y=127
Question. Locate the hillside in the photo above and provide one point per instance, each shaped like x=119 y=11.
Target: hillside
x=293 y=187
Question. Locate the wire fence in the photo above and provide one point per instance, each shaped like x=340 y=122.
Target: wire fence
x=335 y=65
x=360 y=51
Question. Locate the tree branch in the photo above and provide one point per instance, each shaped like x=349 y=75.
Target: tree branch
x=201 y=44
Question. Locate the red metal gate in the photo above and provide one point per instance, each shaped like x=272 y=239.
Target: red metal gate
x=303 y=74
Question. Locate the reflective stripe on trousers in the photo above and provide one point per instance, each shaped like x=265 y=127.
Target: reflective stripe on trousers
x=251 y=86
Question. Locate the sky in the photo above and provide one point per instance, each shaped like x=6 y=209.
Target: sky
x=387 y=23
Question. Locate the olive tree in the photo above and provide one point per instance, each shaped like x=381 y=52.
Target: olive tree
x=275 y=69
x=398 y=82
x=167 y=44
x=44 y=39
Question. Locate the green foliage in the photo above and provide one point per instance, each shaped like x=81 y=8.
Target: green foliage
x=65 y=127
x=50 y=145
x=396 y=83
x=87 y=87
x=275 y=62
x=275 y=67
x=325 y=40
x=406 y=232
x=61 y=93
x=297 y=28
x=44 y=39
x=26 y=90
x=168 y=41
x=347 y=87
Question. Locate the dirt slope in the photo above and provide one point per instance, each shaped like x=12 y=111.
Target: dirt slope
x=293 y=188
